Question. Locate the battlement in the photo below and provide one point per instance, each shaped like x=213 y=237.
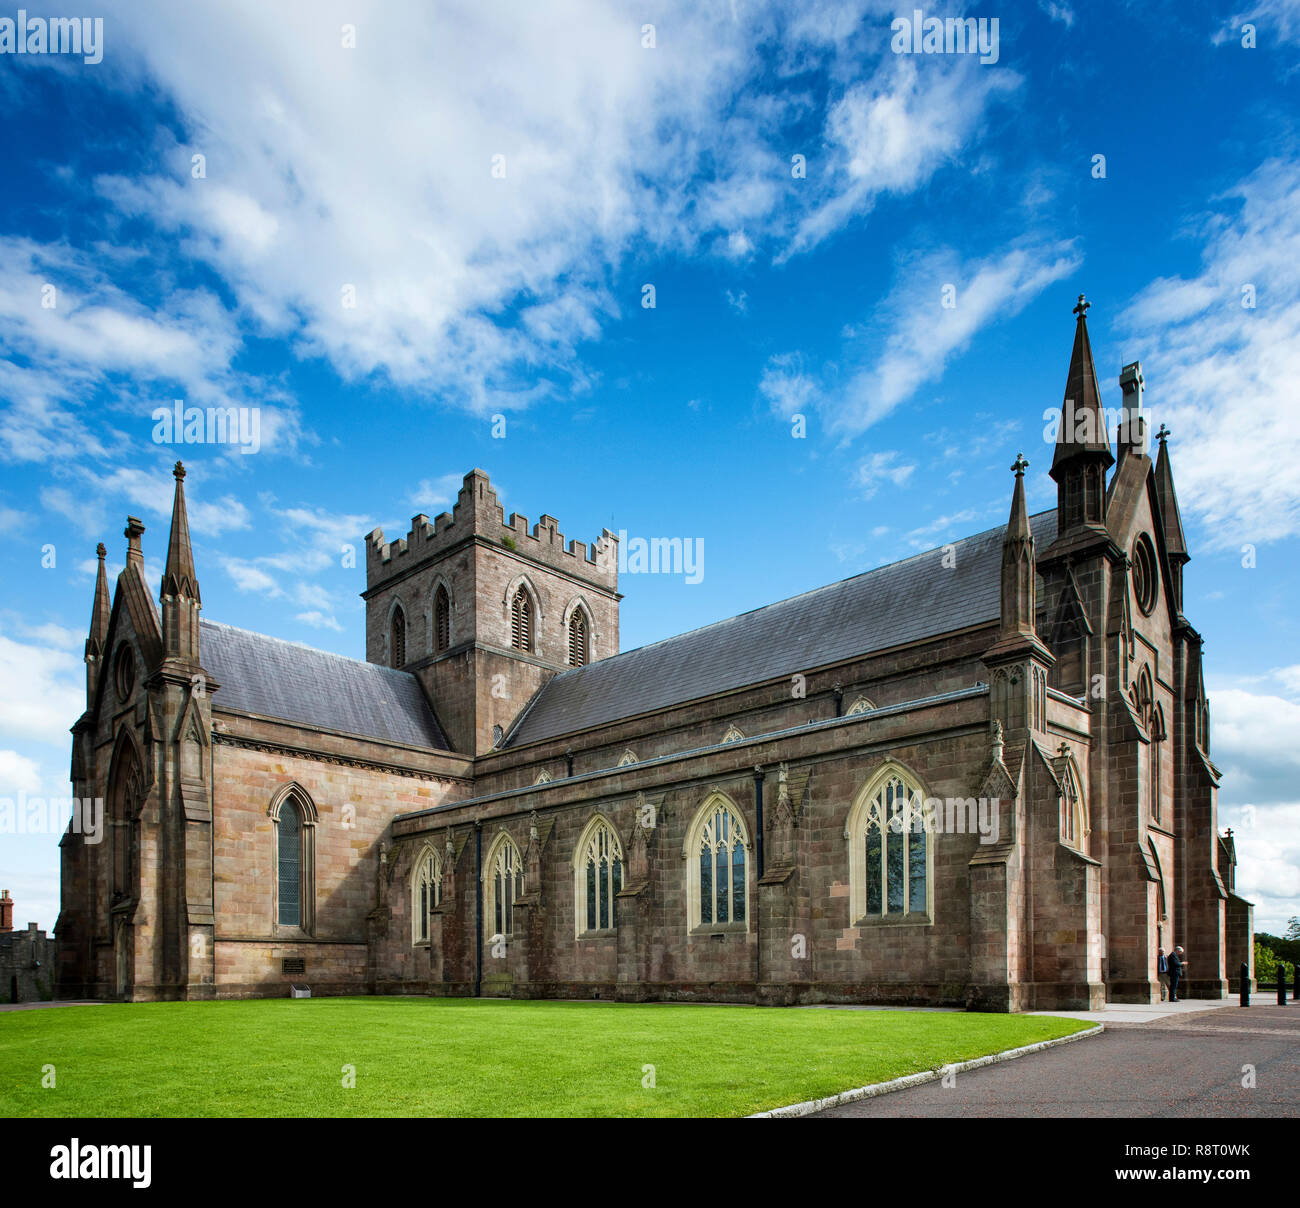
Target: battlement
x=477 y=513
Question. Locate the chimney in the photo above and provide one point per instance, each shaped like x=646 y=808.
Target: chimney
x=6 y=913
x=1133 y=428
x=133 y=533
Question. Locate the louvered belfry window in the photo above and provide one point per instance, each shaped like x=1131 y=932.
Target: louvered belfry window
x=398 y=645
x=289 y=859
x=521 y=621
x=441 y=620
x=577 y=639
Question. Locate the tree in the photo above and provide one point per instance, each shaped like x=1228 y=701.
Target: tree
x=1293 y=927
x=1265 y=963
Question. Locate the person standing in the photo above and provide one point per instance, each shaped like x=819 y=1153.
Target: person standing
x=1162 y=973
x=1175 y=963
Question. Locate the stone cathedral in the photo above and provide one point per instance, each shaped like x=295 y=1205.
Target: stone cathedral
x=978 y=776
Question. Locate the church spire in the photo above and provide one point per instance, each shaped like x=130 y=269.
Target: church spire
x=180 y=583
x=1018 y=661
x=1082 y=444
x=98 y=636
x=179 y=577
x=1017 y=631
x=1171 y=518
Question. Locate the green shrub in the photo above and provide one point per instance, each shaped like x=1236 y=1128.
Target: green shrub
x=1265 y=963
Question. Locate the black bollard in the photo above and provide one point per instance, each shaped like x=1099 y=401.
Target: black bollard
x=1281 y=985
x=1245 y=984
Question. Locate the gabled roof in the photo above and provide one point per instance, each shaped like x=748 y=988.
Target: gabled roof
x=274 y=678
x=903 y=602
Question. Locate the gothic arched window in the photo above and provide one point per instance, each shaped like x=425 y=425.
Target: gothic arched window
x=890 y=854
x=426 y=893
x=441 y=620
x=397 y=638
x=294 y=817
x=521 y=620
x=578 y=639
x=717 y=867
x=505 y=884
x=289 y=866
x=598 y=877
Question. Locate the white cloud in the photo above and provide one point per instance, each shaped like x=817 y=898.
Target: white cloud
x=923 y=334
x=316 y=180
x=880 y=470
x=891 y=132
x=45 y=691
x=437 y=494
x=1276 y=21
x=319 y=620
x=1256 y=729
x=913 y=336
x=1058 y=12
x=923 y=536
x=18 y=774
x=249 y=577
x=50 y=634
x=1222 y=375
x=1255 y=740
x=788 y=389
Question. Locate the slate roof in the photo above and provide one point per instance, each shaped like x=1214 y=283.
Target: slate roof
x=902 y=602
x=274 y=678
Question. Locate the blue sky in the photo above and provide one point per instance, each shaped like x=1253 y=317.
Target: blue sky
x=518 y=293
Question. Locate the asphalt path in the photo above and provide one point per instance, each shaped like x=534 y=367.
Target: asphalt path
x=1180 y=1067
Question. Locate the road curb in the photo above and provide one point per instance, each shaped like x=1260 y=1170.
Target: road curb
x=811 y=1106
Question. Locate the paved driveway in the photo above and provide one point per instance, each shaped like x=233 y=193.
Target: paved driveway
x=1180 y=1066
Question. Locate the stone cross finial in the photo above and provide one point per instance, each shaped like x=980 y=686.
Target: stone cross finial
x=1082 y=307
x=1020 y=465
x=101 y=551
x=179 y=471
x=1164 y=434
x=1064 y=750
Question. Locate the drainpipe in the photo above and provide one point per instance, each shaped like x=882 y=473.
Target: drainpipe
x=758 y=815
x=839 y=700
x=568 y=755
x=478 y=910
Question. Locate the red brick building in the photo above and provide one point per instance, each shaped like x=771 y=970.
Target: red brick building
x=980 y=775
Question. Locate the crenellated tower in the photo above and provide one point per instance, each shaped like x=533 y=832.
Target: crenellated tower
x=484 y=610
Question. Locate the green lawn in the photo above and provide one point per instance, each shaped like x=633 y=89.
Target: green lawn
x=465 y=1057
